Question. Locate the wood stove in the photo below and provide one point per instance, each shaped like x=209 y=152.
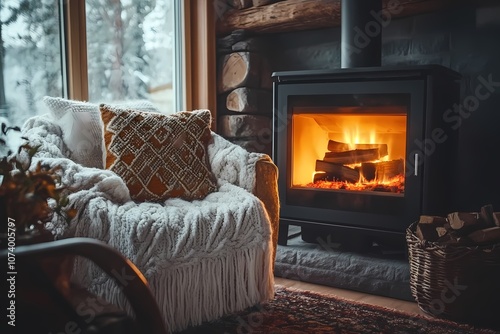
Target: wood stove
x=364 y=149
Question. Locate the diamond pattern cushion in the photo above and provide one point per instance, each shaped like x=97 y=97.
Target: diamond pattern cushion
x=159 y=156
x=82 y=128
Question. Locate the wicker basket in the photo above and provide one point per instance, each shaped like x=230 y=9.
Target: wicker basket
x=455 y=282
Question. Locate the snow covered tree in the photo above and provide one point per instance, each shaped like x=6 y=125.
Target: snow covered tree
x=31 y=40
x=118 y=59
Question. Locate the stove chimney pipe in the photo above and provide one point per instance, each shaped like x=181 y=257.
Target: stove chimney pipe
x=361 y=41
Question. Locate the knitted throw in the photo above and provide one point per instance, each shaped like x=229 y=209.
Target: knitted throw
x=202 y=259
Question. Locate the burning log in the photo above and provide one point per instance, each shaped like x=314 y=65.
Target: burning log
x=352 y=157
x=340 y=172
x=382 y=148
x=323 y=176
x=383 y=170
x=336 y=146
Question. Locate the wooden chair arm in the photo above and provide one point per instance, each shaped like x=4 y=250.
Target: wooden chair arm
x=266 y=189
x=133 y=283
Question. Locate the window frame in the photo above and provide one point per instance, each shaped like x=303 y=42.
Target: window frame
x=195 y=77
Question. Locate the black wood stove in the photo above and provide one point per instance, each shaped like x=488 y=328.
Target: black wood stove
x=364 y=150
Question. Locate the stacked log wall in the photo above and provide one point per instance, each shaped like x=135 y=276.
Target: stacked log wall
x=244 y=88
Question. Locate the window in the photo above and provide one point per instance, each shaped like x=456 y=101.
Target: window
x=130 y=47
x=128 y=52
x=31 y=57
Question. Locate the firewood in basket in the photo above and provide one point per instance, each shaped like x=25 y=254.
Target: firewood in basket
x=426 y=232
x=485 y=236
x=443 y=230
x=431 y=228
x=437 y=220
x=452 y=238
x=341 y=173
x=496 y=218
x=487 y=216
x=465 y=222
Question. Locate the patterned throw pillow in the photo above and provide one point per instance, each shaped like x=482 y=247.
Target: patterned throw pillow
x=159 y=156
x=82 y=128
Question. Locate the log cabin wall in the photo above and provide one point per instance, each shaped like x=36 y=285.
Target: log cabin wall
x=461 y=37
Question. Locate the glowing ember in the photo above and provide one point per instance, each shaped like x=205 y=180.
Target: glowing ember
x=394 y=185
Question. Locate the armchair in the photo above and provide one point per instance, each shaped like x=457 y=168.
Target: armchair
x=202 y=258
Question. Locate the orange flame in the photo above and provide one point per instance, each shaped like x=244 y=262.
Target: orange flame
x=311 y=133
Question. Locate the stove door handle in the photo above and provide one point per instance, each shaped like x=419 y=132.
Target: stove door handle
x=416 y=164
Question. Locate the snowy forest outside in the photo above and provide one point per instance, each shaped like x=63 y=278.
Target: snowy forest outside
x=130 y=53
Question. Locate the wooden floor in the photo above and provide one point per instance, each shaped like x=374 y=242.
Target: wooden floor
x=396 y=304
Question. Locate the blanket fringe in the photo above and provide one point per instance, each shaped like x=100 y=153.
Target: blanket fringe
x=191 y=294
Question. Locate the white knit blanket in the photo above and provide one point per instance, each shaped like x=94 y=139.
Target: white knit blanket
x=202 y=258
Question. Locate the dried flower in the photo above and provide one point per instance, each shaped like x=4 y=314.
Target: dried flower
x=25 y=193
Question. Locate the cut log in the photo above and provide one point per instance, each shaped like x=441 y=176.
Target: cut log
x=239 y=69
x=234 y=37
x=250 y=100
x=427 y=232
x=244 y=126
x=383 y=170
x=437 y=220
x=496 y=218
x=431 y=228
x=368 y=170
x=386 y=170
x=337 y=146
x=258 y=3
x=324 y=176
x=451 y=238
x=442 y=230
x=295 y=15
x=240 y=4
x=382 y=148
x=252 y=44
x=487 y=215
x=465 y=221
x=485 y=236
x=352 y=157
x=341 y=173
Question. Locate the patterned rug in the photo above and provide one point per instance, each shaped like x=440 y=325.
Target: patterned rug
x=298 y=312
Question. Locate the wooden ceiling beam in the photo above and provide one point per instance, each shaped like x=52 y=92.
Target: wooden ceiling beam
x=295 y=15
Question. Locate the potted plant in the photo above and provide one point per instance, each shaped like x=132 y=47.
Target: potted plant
x=25 y=195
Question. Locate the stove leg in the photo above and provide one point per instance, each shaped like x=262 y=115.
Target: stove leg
x=283 y=234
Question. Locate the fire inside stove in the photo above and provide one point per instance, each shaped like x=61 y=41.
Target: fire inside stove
x=349 y=148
